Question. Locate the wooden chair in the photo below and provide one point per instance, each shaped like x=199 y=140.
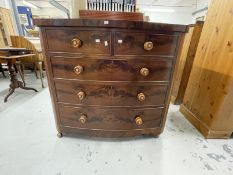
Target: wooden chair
x=37 y=60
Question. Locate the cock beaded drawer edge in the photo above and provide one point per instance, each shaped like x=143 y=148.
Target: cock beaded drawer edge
x=109 y=78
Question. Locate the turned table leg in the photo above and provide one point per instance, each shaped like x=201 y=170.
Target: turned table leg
x=14 y=83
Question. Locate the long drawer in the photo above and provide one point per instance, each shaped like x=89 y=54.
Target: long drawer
x=140 y=43
x=79 y=41
x=110 y=94
x=112 y=69
x=110 y=118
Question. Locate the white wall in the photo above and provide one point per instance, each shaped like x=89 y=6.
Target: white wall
x=181 y=15
x=5 y=4
x=183 y=12
x=49 y=13
x=200 y=5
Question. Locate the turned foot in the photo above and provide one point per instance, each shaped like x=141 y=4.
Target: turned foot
x=59 y=135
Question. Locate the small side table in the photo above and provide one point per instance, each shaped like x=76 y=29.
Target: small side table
x=11 y=54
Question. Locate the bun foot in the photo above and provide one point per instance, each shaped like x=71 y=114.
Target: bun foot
x=59 y=134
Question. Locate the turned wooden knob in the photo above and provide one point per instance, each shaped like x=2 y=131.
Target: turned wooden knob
x=83 y=119
x=148 y=45
x=76 y=42
x=81 y=95
x=78 y=69
x=144 y=71
x=141 y=97
x=138 y=121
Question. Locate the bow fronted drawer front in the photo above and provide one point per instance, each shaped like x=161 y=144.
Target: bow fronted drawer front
x=110 y=119
x=111 y=94
x=112 y=69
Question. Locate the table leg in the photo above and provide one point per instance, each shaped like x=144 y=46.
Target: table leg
x=14 y=81
x=21 y=85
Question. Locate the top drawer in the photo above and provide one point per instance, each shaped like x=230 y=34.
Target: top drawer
x=135 y=43
x=79 y=41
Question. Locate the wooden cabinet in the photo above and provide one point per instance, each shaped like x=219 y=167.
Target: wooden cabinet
x=208 y=98
x=7 y=27
x=185 y=62
x=109 y=78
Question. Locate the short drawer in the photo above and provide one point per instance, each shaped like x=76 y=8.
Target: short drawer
x=110 y=94
x=79 y=41
x=110 y=118
x=145 y=44
x=112 y=70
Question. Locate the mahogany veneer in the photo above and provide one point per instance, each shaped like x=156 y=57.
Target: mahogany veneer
x=109 y=78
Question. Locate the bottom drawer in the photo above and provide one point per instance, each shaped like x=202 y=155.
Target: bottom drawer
x=110 y=118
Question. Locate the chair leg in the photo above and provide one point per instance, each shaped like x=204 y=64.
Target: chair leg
x=39 y=64
x=35 y=70
x=19 y=68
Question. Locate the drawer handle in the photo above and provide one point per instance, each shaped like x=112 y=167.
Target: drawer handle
x=83 y=119
x=141 y=97
x=76 y=42
x=81 y=95
x=138 y=121
x=148 y=45
x=144 y=71
x=78 y=69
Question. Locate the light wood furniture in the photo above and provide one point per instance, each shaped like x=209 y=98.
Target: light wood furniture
x=36 y=59
x=109 y=78
x=7 y=27
x=185 y=62
x=208 y=100
x=10 y=55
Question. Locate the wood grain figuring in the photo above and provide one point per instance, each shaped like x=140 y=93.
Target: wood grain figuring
x=99 y=88
x=209 y=91
x=110 y=94
x=96 y=41
x=120 y=70
x=107 y=15
x=110 y=119
x=132 y=44
x=185 y=63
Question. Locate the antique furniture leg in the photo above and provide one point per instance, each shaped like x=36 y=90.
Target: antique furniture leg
x=19 y=68
x=35 y=69
x=39 y=64
x=59 y=134
x=14 y=82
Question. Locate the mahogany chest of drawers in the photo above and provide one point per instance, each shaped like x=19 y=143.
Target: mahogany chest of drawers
x=109 y=78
